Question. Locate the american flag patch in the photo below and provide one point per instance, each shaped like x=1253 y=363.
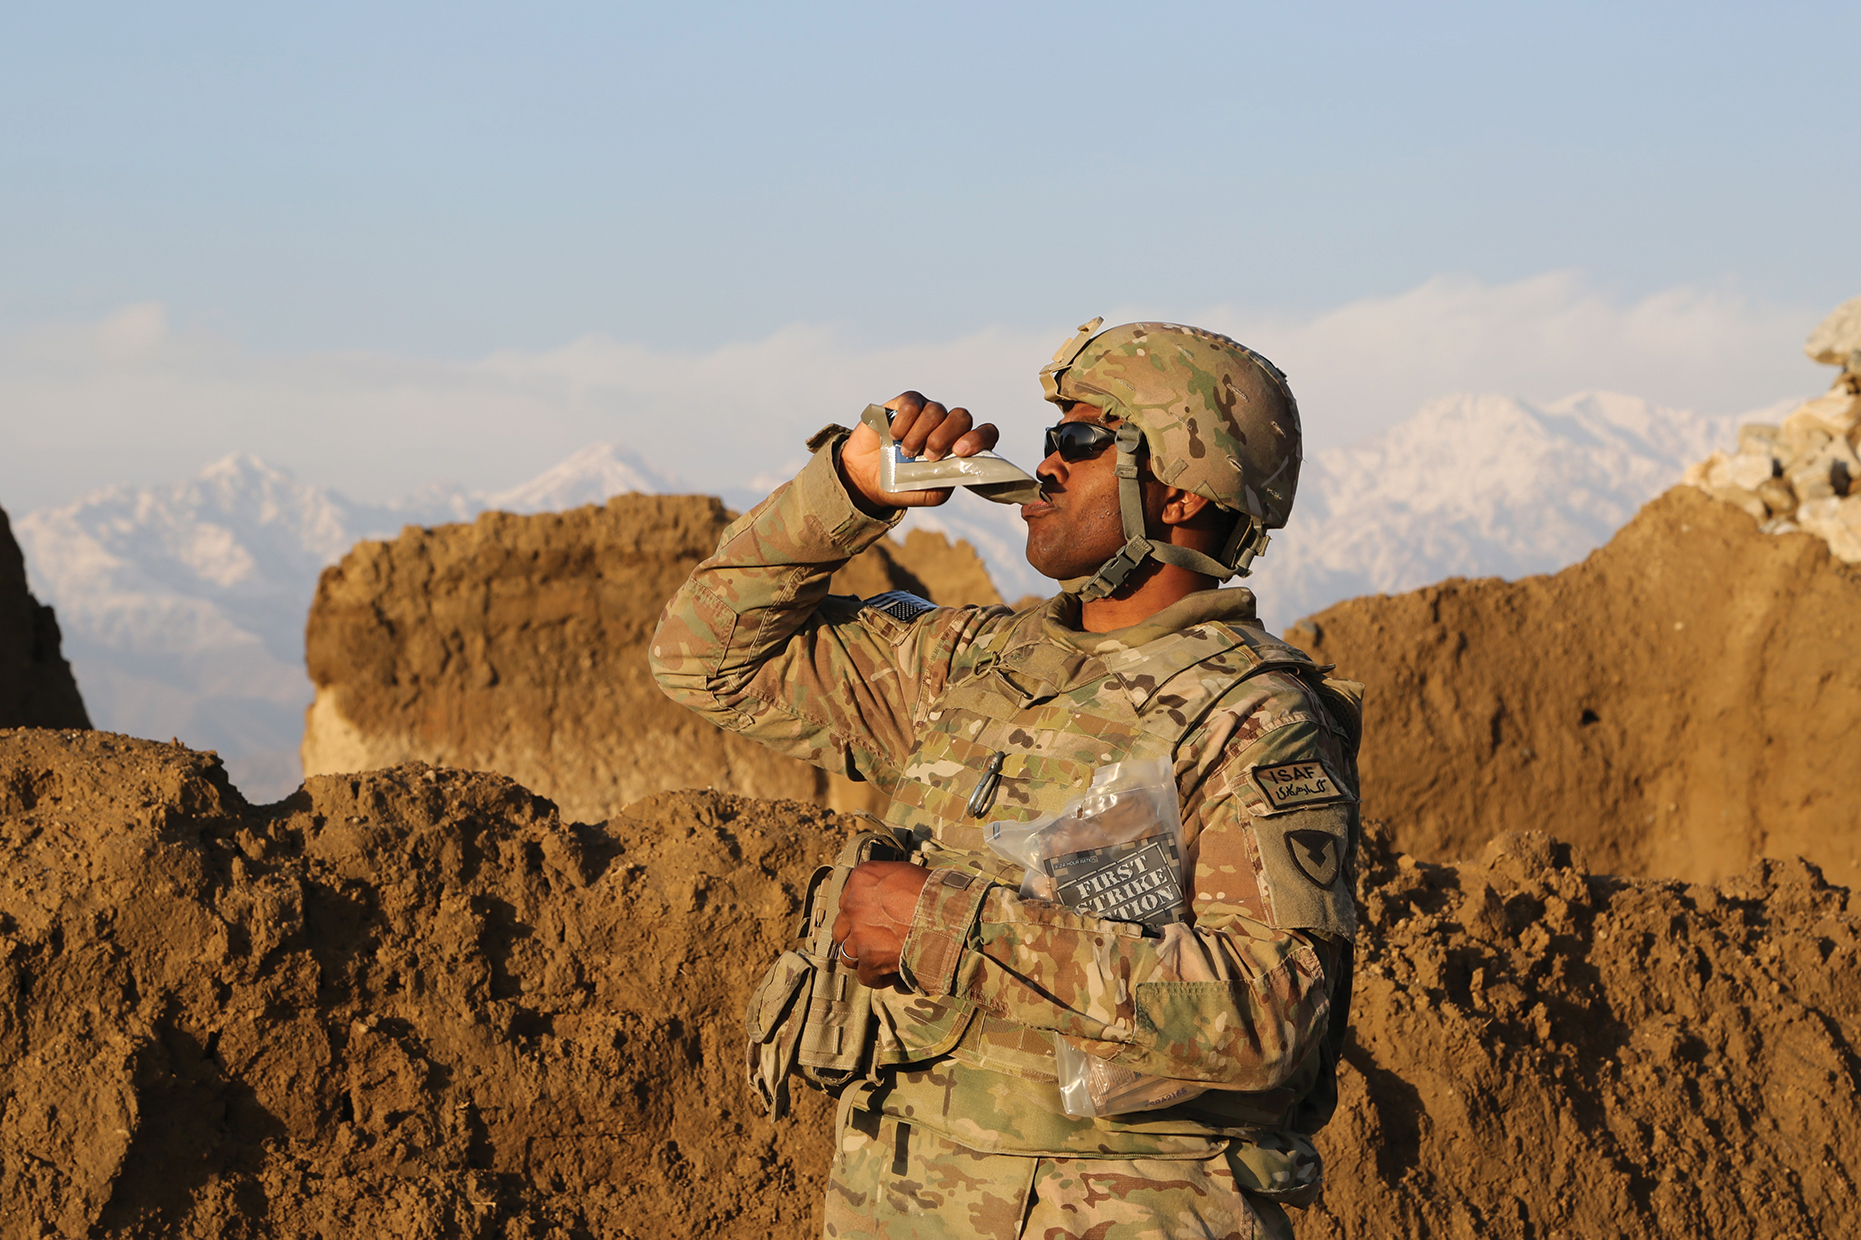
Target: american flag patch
x=901 y=605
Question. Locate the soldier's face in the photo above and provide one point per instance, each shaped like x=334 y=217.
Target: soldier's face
x=1076 y=526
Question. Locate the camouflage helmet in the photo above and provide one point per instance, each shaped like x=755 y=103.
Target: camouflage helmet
x=1217 y=418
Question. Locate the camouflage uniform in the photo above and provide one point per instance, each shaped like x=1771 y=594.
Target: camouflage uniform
x=961 y=1130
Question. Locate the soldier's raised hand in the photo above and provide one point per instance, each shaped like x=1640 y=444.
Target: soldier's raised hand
x=923 y=428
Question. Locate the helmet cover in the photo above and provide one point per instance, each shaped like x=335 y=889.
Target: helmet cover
x=1218 y=419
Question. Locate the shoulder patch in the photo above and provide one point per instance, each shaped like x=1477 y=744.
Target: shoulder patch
x=901 y=605
x=1318 y=854
x=1294 y=785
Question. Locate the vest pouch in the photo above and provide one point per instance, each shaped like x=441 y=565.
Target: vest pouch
x=838 y=1028
x=836 y=1033
x=774 y=1026
x=809 y=1015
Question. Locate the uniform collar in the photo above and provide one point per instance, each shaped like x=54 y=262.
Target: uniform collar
x=1060 y=620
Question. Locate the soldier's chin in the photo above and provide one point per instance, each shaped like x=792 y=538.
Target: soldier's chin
x=1061 y=568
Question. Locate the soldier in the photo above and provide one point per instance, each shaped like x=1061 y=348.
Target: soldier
x=1178 y=449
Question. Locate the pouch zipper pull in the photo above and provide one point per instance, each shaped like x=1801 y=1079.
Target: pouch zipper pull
x=984 y=795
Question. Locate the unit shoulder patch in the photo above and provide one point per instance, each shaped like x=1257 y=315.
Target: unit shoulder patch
x=901 y=605
x=1317 y=854
x=1294 y=785
x=1305 y=869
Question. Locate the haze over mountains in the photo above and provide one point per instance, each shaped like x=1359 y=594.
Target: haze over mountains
x=183 y=605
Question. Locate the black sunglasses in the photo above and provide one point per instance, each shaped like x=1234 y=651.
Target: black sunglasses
x=1075 y=441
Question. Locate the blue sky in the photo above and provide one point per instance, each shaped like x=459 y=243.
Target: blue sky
x=438 y=183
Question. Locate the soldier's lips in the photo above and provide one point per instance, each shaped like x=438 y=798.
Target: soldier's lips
x=1039 y=508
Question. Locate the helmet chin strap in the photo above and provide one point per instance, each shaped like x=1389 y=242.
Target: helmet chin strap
x=1249 y=538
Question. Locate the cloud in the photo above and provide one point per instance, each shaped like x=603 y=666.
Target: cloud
x=1361 y=368
x=133 y=399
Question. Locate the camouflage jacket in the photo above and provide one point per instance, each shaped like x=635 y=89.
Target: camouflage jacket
x=1263 y=748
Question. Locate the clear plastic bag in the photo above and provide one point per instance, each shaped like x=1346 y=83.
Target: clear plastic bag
x=1115 y=852
x=988 y=475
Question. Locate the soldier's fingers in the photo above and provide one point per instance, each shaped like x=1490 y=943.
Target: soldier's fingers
x=944 y=435
x=905 y=408
x=914 y=437
x=877 y=962
x=906 y=403
x=981 y=439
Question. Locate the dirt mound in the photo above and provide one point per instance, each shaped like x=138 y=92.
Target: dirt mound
x=37 y=689
x=409 y=1003
x=518 y=644
x=926 y=564
x=1537 y=1052
x=415 y=1002
x=1679 y=703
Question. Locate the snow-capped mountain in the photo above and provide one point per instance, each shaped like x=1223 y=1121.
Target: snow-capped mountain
x=1476 y=486
x=587 y=477
x=183 y=606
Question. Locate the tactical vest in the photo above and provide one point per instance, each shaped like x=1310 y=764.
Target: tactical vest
x=1035 y=720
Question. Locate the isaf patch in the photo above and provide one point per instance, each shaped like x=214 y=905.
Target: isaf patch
x=1291 y=785
x=1317 y=854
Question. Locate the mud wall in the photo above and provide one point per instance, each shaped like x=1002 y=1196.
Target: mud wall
x=518 y=644
x=408 y=1003
x=416 y=1002
x=1540 y=1052
x=37 y=688
x=1679 y=703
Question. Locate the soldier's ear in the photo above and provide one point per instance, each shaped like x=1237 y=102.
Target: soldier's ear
x=1181 y=507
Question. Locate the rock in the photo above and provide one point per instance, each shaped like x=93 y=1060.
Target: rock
x=37 y=689
x=1695 y=474
x=1757 y=439
x=1835 y=413
x=1838 y=338
x=1746 y=471
x=1838 y=521
x=1739 y=497
x=1830 y=472
x=1778 y=497
x=1802 y=438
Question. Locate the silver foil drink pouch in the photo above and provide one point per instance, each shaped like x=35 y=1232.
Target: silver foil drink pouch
x=985 y=473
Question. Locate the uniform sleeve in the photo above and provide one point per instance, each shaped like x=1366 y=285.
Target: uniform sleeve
x=753 y=641
x=1228 y=999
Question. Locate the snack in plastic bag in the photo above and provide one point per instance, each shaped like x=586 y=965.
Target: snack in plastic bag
x=1115 y=852
x=988 y=475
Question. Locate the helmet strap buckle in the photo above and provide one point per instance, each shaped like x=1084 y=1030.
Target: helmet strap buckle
x=1114 y=572
x=1249 y=539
